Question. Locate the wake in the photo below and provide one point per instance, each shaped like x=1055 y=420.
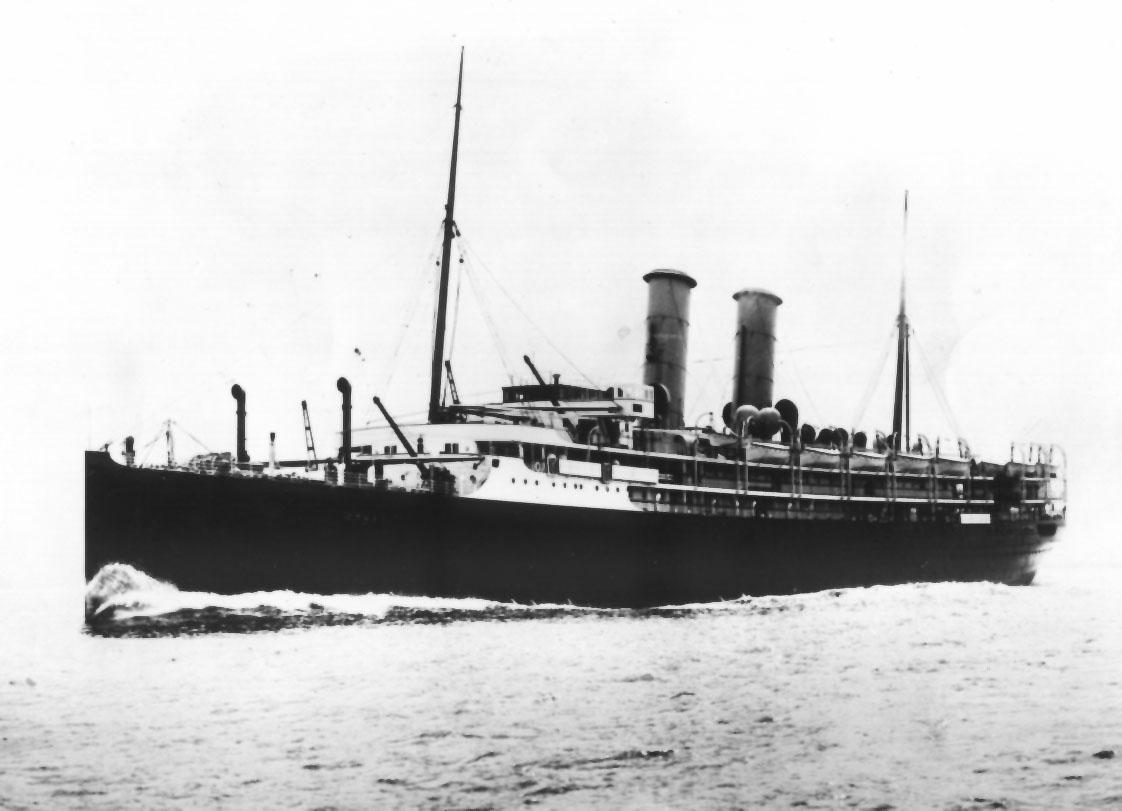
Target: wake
x=123 y=601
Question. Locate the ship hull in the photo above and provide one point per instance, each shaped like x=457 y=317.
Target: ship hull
x=231 y=534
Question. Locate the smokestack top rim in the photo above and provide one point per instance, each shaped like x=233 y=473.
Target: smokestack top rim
x=670 y=273
x=756 y=291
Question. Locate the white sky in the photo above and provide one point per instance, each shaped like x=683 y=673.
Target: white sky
x=198 y=194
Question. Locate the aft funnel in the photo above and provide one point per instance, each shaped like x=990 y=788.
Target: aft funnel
x=754 y=373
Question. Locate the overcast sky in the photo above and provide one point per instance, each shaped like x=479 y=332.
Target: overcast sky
x=203 y=194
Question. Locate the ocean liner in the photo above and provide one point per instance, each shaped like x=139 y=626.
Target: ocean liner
x=560 y=493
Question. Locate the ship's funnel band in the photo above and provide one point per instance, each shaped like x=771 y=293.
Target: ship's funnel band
x=668 y=325
x=673 y=275
x=754 y=374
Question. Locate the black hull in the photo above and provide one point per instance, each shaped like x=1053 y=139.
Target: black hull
x=238 y=534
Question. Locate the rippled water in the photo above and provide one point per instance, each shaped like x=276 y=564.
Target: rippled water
x=944 y=696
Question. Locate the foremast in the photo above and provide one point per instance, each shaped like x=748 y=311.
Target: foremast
x=902 y=401
x=437 y=376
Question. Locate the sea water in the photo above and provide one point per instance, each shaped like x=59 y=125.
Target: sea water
x=930 y=696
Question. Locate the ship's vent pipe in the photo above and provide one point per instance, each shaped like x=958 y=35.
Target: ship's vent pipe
x=239 y=394
x=344 y=387
x=754 y=373
x=668 y=327
x=789 y=413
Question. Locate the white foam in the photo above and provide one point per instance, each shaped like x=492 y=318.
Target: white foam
x=119 y=583
x=125 y=591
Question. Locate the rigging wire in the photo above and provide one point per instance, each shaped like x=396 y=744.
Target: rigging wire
x=191 y=436
x=165 y=428
x=488 y=320
x=833 y=345
x=867 y=397
x=940 y=396
x=788 y=349
x=703 y=389
x=403 y=417
x=525 y=315
x=423 y=278
x=451 y=345
x=147 y=449
x=799 y=379
x=456 y=307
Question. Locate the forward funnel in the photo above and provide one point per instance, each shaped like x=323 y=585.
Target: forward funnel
x=668 y=326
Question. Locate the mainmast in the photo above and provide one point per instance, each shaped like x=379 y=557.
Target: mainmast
x=445 y=262
x=902 y=402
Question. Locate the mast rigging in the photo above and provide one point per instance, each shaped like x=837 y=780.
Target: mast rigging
x=445 y=260
x=902 y=401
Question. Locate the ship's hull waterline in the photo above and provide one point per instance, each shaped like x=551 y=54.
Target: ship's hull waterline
x=239 y=534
